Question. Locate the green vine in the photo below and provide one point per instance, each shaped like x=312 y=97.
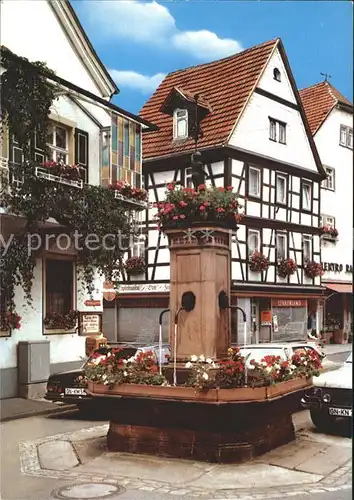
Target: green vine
x=26 y=100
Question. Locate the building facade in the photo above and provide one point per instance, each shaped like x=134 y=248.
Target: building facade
x=255 y=138
x=86 y=130
x=330 y=116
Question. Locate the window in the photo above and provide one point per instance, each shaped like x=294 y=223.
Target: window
x=277 y=131
x=58 y=143
x=180 y=124
x=272 y=129
x=188 y=177
x=81 y=153
x=306 y=193
x=254 y=182
x=281 y=246
x=329 y=182
x=276 y=74
x=306 y=248
x=253 y=241
x=138 y=249
x=59 y=286
x=327 y=220
x=281 y=189
x=346 y=136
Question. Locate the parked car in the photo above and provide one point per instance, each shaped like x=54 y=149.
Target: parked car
x=331 y=396
x=284 y=350
x=68 y=387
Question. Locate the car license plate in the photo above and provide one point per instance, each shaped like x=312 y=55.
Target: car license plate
x=340 y=412
x=75 y=392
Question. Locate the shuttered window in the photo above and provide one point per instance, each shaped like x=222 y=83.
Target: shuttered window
x=82 y=153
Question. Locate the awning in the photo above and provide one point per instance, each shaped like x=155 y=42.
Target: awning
x=340 y=287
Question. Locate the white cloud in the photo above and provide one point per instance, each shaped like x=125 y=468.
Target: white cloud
x=151 y=22
x=144 y=83
x=205 y=44
x=136 y=20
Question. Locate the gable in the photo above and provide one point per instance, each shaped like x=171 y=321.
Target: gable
x=268 y=83
x=52 y=37
x=279 y=101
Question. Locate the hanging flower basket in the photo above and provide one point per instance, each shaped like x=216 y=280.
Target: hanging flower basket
x=135 y=265
x=9 y=320
x=313 y=269
x=58 y=321
x=183 y=207
x=258 y=262
x=125 y=189
x=286 y=267
x=329 y=232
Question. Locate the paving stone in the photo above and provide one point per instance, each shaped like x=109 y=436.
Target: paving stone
x=57 y=455
x=326 y=461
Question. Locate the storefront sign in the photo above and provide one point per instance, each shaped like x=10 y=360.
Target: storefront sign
x=337 y=268
x=266 y=318
x=92 y=303
x=289 y=303
x=90 y=324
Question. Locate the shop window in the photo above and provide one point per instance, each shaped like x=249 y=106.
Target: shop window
x=59 y=286
x=291 y=324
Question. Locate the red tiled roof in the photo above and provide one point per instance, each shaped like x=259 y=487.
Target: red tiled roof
x=318 y=102
x=225 y=84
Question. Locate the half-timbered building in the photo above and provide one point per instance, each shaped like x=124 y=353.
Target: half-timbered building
x=254 y=136
x=330 y=117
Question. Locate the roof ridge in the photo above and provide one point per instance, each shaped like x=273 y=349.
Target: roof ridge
x=249 y=49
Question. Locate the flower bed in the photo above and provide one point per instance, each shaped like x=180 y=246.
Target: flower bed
x=126 y=190
x=286 y=267
x=258 y=262
x=135 y=265
x=9 y=320
x=183 y=206
x=208 y=381
x=329 y=232
x=57 y=321
x=313 y=269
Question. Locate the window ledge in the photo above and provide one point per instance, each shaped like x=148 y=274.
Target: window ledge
x=5 y=333
x=59 y=331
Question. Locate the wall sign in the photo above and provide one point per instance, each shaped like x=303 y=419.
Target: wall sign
x=289 y=303
x=92 y=303
x=109 y=292
x=91 y=324
x=337 y=268
x=266 y=318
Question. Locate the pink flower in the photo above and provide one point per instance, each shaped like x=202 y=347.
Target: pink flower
x=201 y=208
x=220 y=210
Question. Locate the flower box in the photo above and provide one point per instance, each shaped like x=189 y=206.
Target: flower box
x=206 y=395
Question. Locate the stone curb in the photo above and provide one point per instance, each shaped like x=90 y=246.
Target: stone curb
x=37 y=413
x=339 y=479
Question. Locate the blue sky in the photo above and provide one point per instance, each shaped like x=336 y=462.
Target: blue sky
x=140 y=42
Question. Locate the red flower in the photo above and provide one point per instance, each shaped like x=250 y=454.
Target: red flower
x=229 y=188
x=201 y=208
x=201 y=187
x=221 y=189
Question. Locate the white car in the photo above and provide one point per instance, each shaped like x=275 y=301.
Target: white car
x=285 y=351
x=331 y=396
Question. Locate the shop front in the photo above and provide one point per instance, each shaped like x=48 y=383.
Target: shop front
x=338 y=317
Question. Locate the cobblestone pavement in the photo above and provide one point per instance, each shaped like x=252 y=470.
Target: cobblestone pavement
x=89 y=445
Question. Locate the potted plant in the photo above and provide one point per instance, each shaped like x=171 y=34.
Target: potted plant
x=126 y=190
x=258 y=262
x=183 y=207
x=286 y=267
x=60 y=169
x=329 y=232
x=9 y=320
x=313 y=269
x=135 y=266
x=58 y=321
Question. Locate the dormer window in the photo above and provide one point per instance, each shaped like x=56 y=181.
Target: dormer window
x=276 y=74
x=180 y=124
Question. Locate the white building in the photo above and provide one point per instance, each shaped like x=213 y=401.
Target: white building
x=255 y=138
x=86 y=129
x=330 y=116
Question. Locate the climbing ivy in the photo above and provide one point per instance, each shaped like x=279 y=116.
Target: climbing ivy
x=26 y=99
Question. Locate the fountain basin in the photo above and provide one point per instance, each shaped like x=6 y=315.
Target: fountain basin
x=218 y=425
